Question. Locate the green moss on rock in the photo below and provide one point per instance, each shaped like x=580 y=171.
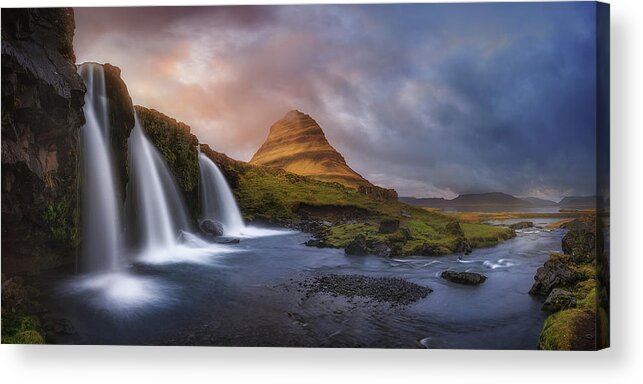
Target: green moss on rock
x=178 y=147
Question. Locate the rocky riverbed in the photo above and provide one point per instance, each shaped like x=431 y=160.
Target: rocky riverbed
x=382 y=289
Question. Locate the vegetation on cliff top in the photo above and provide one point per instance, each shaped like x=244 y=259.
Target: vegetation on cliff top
x=178 y=147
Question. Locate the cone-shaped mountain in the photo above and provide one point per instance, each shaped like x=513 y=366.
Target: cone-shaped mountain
x=297 y=144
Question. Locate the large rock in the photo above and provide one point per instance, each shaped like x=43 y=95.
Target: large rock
x=454 y=228
x=427 y=249
x=555 y=273
x=379 y=248
x=389 y=225
x=211 y=227
x=558 y=300
x=580 y=240
x=357 y=246
x=522 y=225
x=466 y=278
x=42 y=99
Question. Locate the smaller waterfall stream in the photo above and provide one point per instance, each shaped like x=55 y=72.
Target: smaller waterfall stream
x=161 y=212
x=217 y=200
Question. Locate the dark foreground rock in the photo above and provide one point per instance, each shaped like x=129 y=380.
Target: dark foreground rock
x=383 y=289
x=42 y=99
x=467 y=278
x=522 y=225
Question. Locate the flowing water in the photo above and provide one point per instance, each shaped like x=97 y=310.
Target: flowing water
x=251 y=296
x=159 y=208
x=101 y=222
x=217 y=201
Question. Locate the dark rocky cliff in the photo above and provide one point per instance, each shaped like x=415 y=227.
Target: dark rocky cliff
x=42 y=99
x=121 y=117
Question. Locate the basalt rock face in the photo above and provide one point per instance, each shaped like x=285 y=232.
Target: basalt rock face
x=297 y=144
x=581 y=241
x=121 y=118
x=557 y=272
x=42 y=99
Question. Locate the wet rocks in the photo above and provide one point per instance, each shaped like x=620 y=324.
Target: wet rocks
x=558 y=300
x=361 y=246
x=383 y=289
x=427 y=249
x=522 y=225
x=317 y=242
x=379 y=248
x=211 y=227
x=466 y=278
x=227 y=240
x=357 y=246
x=389 y=226
x=555 y=273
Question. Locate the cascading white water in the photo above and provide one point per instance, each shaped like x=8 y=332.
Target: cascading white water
x=101 y=224
x=161 y=212
x=217 y=201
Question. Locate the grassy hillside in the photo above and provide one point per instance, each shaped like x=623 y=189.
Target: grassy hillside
x=275 y=196
x=335 y=213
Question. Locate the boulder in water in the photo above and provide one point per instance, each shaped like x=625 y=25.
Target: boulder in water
x=467 y=278
x=211 y=227
x=227 y=240
x=522 y=225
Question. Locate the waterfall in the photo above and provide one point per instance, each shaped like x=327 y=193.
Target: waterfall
x=160 y=210
x=217 y=201
x=101 y=224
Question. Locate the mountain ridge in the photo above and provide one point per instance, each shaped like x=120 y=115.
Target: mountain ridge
x=499 y=199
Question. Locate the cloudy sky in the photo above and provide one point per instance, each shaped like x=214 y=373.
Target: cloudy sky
x=432 y=100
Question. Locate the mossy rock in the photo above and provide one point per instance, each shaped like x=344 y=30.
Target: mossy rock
x=571 y=329
x=25 y=337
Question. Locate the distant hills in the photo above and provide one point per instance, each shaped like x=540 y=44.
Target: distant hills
x=500 y=200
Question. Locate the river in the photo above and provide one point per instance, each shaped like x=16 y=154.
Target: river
x=249 y=294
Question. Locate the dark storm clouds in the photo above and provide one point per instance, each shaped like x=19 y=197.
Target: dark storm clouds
x=432 y=100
